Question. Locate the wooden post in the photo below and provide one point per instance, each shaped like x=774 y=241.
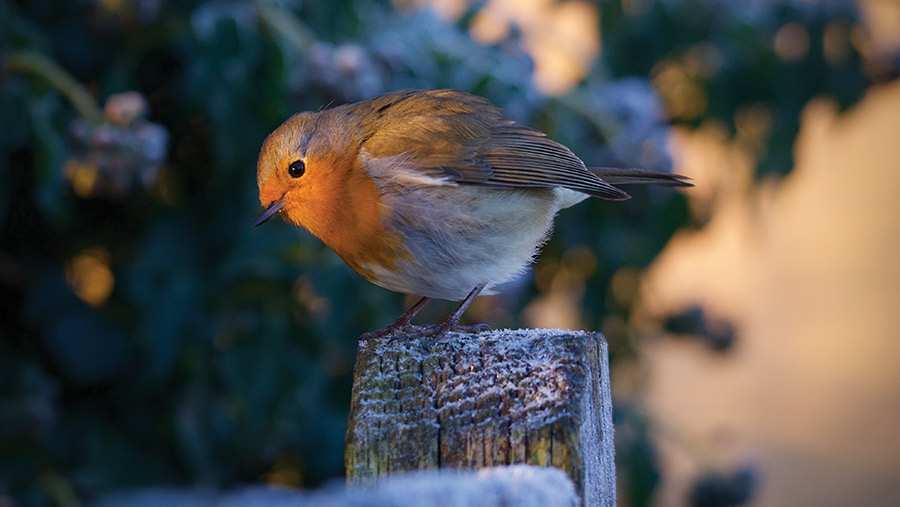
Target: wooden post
x=471 y=401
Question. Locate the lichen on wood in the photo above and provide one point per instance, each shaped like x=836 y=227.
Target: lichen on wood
x=471 y=401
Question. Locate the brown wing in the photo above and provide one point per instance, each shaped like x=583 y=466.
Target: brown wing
x=438 y=131
x=525 y=157
x=464 y=139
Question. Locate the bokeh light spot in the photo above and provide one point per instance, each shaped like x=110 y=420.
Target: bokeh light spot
x=684 y=97
x=287 y=471
x=83 y=177
x=89 y=275
x=792 y=42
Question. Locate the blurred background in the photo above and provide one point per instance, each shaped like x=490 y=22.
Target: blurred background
x=150 y=336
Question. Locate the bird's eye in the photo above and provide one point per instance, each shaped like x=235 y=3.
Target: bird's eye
x=296 y=169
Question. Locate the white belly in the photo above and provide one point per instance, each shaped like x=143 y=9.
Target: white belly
x=462 y=236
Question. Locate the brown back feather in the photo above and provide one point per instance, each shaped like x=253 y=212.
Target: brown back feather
x=464 y=138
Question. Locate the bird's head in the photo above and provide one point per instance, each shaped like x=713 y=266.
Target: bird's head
x=281 y=170
x=304 y=168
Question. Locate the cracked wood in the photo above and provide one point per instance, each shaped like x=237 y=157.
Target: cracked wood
x=472 y=401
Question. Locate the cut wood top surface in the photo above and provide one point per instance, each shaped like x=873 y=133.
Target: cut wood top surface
x=478 y=400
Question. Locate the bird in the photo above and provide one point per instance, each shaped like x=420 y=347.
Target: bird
x=432 y=193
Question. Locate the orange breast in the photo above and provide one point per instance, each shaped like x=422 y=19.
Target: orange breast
x=341 y=206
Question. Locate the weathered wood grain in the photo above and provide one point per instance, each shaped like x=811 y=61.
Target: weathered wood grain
x=472 y=401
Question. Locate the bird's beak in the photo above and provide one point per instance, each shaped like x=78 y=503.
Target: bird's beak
x=269 y=212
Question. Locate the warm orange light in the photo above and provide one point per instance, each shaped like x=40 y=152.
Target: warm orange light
x=89 y=275
x=563 y=38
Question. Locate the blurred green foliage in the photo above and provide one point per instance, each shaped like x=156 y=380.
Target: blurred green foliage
x=151 y=335
x=731 y=56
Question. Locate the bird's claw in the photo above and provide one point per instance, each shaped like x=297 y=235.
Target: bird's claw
x=389 y=330
x=410 y=331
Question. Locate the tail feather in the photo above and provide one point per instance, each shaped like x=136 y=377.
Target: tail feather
x=617 y=176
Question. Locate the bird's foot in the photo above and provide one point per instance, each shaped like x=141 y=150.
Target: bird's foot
x=439 y=330
x=403 y=329
x=471 y=329
x=409 y=331
x=395 y=329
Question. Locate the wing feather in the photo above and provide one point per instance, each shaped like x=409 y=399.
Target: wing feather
x=461 y=138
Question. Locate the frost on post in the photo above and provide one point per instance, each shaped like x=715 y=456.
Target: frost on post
x=468 y=401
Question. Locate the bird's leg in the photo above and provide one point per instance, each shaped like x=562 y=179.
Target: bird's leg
x=399 y=324
x=451 y=323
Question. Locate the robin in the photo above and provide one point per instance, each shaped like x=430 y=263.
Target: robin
x=428 y=192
